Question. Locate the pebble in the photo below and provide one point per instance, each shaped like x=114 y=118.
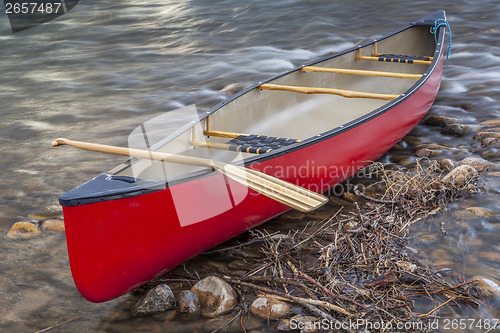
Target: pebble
x=446 y=164
x=23 y=230
x=216 y=296
x=425 y=152
x=441 y=121
x=53 y=225
x=489 y=287
x=490 y=155
x=189 y=304
x=483 y=135
x=269 y=308
x=460 y=175
x=480 y=211
x=490 y=255
x=159 y=299
x=477 y=163
x=491 y=122
x=488 y=141
x=454 y=129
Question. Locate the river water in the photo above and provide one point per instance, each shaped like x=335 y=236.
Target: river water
x=106 y=66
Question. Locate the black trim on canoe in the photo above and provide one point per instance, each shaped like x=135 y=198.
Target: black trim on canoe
x=108 y=187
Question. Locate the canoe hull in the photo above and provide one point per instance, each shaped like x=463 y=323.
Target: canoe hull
x=118 y=245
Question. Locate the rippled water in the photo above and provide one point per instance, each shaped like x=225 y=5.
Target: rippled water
x=99 y=71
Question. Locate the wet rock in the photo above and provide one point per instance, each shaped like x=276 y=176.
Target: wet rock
x=488 y=141
x=489 y=287
x=480 y=211
x=23 y=230
x=483 y=135
x=490 y=155
x=189 y=304
x=446 y=164
x=216 y=296
x=491 y=122
x=477 y=163
x=306 y=324
x=441 y=255
x=351 y=225
x=269 y=308
x=441 y=121
x=159 y=299
x=460 y=175
x=425 y=152
x=53 y=225
x=454 y=129
x=490 y=255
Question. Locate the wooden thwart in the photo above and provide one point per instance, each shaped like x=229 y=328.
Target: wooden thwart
x=223 y=134
x=340 y=92
x=361 y=72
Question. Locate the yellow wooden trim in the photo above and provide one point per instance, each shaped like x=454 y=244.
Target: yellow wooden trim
x=208 y=123
x=214 y=145
x=419 y=62
x=361 y=72
x=340 y=92
x=223 y=134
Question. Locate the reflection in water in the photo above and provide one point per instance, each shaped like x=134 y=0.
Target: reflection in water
x=105 y=67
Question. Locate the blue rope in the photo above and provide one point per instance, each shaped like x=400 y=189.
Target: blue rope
x=442 y=23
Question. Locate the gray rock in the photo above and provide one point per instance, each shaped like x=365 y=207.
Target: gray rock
x=477 y=163
x=216 y=296
x=189 y=304
x=269 y=308
x=460 y=175
x=446 y=164
x=159 y=299
x=454 y=129
x=489 y=287
x=483 y=135
x=441 y=121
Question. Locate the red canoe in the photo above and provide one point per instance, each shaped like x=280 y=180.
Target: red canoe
x=313 y=126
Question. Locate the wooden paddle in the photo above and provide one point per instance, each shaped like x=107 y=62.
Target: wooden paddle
x=287 y=193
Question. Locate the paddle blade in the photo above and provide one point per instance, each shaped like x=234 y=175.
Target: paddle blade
x=287 y=193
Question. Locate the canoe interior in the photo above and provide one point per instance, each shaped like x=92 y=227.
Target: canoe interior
x=296 y=115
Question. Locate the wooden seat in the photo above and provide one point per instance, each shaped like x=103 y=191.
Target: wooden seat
x=247 y=143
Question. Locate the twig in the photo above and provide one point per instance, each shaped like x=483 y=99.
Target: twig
x=59 y=324
x=299 y=300
x=438 y=307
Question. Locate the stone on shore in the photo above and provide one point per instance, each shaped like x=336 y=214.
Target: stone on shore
x=489 y=287
x=189 y=304
x=441 y=121
x=460 y=175
x=492 y=122
x=446 y=164
x=269 y=308
x=217 y=297
x=53 y=225
x=23 y=230
x=454 y=129
x=483 y=135
x=159 y=299
x=477 y=163
x=480 y=211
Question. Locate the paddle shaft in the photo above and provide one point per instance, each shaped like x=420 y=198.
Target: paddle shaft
x=132 y=152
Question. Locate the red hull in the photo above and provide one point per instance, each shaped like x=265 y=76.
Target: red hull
x=115 y=246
